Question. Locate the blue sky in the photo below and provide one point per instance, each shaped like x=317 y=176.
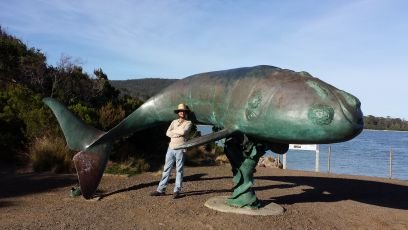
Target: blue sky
x=358 y=46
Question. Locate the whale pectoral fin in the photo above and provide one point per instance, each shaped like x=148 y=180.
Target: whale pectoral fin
x=206 y=138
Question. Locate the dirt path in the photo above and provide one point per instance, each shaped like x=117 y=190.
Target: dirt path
x=311 y=201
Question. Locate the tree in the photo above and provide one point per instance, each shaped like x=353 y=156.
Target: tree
x=110 y=115
x=22 y=118
x=19 y=64
x=104 y=91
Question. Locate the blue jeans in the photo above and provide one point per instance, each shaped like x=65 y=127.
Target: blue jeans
x=171 y=157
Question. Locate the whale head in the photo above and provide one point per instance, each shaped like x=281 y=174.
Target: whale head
x=294 y=107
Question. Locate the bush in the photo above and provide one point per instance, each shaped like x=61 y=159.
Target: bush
x=149 y=144
x=203 y=155
x=130 y=167
x=86 y=114
x=22 y=117
x=12 y=139
x=51 y=154
x=20 y=103
x=110 y=115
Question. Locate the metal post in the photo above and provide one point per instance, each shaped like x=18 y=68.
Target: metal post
x=284 y=160
x=317 y=158
x=390 y=162
x=328 y=160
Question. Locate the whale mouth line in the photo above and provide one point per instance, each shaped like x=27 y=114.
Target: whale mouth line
x=347 y=114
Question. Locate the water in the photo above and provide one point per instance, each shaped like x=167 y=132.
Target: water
x=367 y=154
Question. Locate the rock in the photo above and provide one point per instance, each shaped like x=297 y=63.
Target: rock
x=269 y=162
x=222 y=160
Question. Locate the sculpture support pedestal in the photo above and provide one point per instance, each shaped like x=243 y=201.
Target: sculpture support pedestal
x=243 y=156
x=219 y=203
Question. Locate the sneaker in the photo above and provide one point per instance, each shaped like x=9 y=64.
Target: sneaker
x=156 y=193
x=176 y=195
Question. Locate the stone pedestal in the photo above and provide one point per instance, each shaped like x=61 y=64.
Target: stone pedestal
x=219 y=203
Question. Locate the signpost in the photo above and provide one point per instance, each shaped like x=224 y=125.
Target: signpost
x=312 y=147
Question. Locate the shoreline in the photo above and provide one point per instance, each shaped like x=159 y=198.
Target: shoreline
x=384 y=130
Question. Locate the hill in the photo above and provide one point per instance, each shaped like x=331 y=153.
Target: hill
x=142 y=88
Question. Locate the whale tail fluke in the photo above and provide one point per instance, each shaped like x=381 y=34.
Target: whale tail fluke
x=90 y=162
x=77 y=134
x=90 y=165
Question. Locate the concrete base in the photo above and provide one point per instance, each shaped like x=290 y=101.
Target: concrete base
x=219 y=203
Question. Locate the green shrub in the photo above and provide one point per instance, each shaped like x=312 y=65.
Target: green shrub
x=86 y=114
x=130 y=104
x=22 y=117
x=20 y=103
x=51 y=154
x=149 y=144
x=110 y=115
x=12 y=139
x=203 y=155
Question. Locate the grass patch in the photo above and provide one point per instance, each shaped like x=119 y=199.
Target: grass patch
x=51 y=154
x=129 y=167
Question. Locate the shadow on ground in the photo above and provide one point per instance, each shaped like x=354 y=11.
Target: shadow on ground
x=194 y=177
x=14 y=185
x=338 y=189
x=318 y=189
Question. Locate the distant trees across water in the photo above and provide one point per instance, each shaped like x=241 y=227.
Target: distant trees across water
x=385 y=123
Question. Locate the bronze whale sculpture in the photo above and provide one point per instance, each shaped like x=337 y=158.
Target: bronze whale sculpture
x=268 y=104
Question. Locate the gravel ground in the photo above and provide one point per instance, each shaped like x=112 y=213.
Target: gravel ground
x=311 y=201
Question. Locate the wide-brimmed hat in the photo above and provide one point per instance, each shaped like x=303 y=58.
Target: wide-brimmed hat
x=182 y=107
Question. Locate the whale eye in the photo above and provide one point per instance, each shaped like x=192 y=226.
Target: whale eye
x=321 y=114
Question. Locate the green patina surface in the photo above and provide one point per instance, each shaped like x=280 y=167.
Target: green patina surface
x=269 y=105
x=244 y=156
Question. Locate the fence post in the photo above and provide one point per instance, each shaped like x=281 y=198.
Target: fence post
x=328 y=159
x=317 y=158
x=390 y=161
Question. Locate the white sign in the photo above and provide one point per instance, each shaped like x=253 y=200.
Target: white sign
x=312 y=147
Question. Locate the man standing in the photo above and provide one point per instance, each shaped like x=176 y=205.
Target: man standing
x=178 y=132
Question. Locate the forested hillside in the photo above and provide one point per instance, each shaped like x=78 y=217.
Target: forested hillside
x=142 y=88
x=29 y=131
